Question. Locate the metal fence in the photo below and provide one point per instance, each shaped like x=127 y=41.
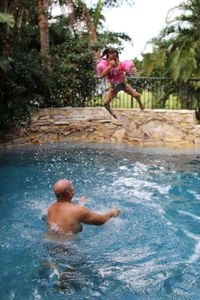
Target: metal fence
x=156 y=93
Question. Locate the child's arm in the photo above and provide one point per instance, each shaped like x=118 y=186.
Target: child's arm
x=133 y=70
x=111 y=65
x=105 y=72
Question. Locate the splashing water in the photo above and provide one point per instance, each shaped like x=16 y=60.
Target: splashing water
x=152 y=251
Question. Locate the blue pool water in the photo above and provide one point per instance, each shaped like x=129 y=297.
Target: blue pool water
x=152 y=251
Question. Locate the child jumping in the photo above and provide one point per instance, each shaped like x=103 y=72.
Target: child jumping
x=115 y=73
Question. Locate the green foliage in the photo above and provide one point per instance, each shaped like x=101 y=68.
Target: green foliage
x=176 y=50
x=74 y=62
x=154 y=63
x=7 y=19
x=24 y=84
x=24 y=88
x=97 y=14
x=182 y=63
x=4 y=64
x=117 y=3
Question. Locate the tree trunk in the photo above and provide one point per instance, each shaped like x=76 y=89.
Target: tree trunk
x=91 y=30
x=44 y=32
x=89 y=22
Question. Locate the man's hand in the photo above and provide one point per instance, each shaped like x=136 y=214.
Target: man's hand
x=82 y=199
x=115 y=212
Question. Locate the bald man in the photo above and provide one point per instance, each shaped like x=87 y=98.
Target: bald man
x=65 y=217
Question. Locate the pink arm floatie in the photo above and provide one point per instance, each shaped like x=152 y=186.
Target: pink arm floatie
x=102 y=65
x=128 y=66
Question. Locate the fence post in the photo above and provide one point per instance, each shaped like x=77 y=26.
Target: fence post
x=187 y=95
x=184 y=94
x=131 y=101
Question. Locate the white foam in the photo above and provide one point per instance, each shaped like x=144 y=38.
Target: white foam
x=136 y=277
x=189 y=214
x=192 y=235
x=195 y=194
x=55 y=271
x=139 y=167
x=36 y=295
x=194 y=257
x=140 y=191
x=54 y=227
x=12 y=295
x=123 y=168
x=39 y=205
x=196 y=254
x=135 y=183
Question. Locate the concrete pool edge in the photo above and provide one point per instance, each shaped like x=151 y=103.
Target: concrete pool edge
x=134 y=128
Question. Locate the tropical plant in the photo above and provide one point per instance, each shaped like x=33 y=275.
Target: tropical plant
x=25 y=83
x=176 y=51
x=7 y=18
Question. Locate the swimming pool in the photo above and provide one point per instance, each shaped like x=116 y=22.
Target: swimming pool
x=152 y=251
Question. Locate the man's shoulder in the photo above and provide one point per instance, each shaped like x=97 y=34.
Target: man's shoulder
x=56 y=206
x=79 y=207
x=52 y=205
x=67 y=206
x=80 y=210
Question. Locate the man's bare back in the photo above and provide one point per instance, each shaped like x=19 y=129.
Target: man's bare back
x=65 y=217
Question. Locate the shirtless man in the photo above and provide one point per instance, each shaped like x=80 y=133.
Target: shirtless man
x=65 y=217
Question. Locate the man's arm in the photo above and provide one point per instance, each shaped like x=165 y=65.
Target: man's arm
x=82 y=199
x=91 y=218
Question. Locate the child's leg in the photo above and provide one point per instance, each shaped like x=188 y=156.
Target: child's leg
x=131 y=91
x=111 y=93
x=107 y=99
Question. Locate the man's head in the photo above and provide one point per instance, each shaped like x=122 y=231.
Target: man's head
x=64 y=190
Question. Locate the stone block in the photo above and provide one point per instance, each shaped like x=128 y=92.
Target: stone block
x=133 y=127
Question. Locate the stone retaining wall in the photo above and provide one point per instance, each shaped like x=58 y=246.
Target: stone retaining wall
x=173 y=128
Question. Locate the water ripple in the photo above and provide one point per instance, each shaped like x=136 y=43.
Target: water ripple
x=152 y=251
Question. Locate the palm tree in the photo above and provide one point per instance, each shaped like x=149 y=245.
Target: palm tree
x=176 y=49
x=80 y=13
x=43 y=6
x=92 y=18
